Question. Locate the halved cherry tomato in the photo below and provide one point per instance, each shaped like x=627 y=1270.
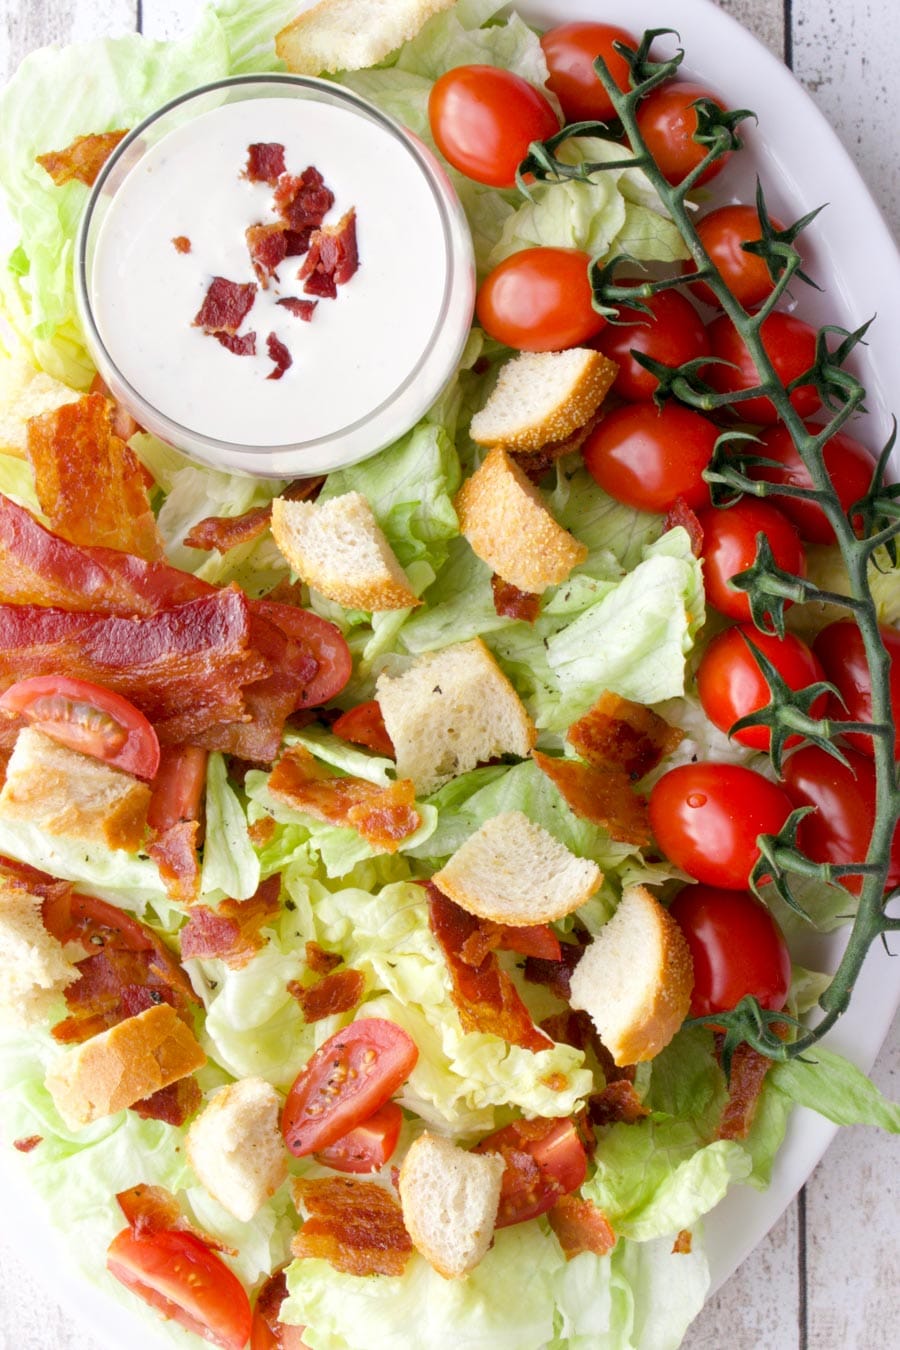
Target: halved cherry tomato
x=673 y=333
x=346 y=1081
x=730 y=542
x=324 y=640
x=731 y=684
x=364 y=725
x=544 y=1160
x=840 y=649
x=570 y=51
x=737 y=949
x=368 y=1146
x=648 y=457
x=88 y=718
x=706 y=818
x=483 y=120
x=178 y=787
x=849 y=465
x=723 y=233
x=178 y=1274
x=267 y=1332
x=667 y=120
x=539 y=300
x=844 y=797
x=790 y=345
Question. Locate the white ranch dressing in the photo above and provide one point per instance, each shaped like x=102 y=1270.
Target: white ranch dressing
x=359 y=348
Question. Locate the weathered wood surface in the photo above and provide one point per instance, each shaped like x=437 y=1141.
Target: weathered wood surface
x=827 y=1276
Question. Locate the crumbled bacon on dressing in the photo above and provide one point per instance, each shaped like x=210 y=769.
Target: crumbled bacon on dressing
x=81 y=161
x=301 y=309
x=512 y=603
x=339 y=992
x=268 y=250
x=225 y=305
x=182 y=243
x=355 y=1225
x=619 y=734
x=280 y=355
x=383 y=816
x=333 y=257
x=239 y=344
x=303 y=201
x=231 y=932
x=580 y=1227
x=265 y=162
x=604 y=797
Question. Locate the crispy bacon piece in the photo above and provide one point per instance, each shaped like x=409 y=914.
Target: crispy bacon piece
x=513 y=603
x=364 y=725
x=619 y=734
x=182 y=243
x=303 y=202
x=123 y=424
x=225 y=532
x=15 y=875
x=175 y=854
x=267 y=1309
x=278 y=353
x=239 y=344
x=339 y=992
x=90 y=485
x=175 y=819
x=683 y=1243
x=355 y=1225
x=301 y=309
x=681 y=514
x=745 y=1083
x=538 y=940
x=333 y=257
x=265 y=162
x=231 y=932
x=28 y=1143
x=383 y=816
x=617 y=1103
x=319 y=961
x=268 y=249
x=485 y=996
x=174 y=1104
x=81 y=161
x=604 y=797
x=152 y=1209
x=580 y=1227
x=556 y=975
x=225 y=305
x=296 y=242
x=535 y=464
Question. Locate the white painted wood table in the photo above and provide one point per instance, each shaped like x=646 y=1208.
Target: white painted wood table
x=828 y=1275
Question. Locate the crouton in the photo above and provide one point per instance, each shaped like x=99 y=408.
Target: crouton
x=541 y=397
x=123 y=1065
x=513 y=871
x=351 y=34
x=450 y=1199
x=236 y=1147
x=635 y=979
x=73 y=796
x=34 y=969
x=453 y=709
x=26 y=392
x=509 y=527
x=337 y=547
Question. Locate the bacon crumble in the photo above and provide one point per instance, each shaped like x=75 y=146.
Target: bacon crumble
x=618 y=734
x=82 y=160
x=580 y=1227
x=278 y=353
x=265 y=162
x=333 y=257
x=745 y=1083
x=225 y=305
x=301 y=309
x=383 y=816
x=338 y=992
x=511 y=603
x=231 y=932
x=28 y=1143
x=182 y=243
x=357 y=1226
x=268 y=251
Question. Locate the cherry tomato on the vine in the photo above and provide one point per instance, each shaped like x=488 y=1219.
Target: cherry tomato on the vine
x=849 y=465
x=790 y=345
x=667 y=120
x=672 y=333
x=570 y=51
x=723 y=233
x=555 y=1147
x=731 y=684
x=706 y=818
x=730 y=541
x=88 y=718
x=483 y=120
x=737 y=949
x=840 y=649
x=647 y=457
x=539 y=300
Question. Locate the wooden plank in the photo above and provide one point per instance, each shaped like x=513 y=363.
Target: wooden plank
x=765 y=18
x=760 y=1305
x=29 y=25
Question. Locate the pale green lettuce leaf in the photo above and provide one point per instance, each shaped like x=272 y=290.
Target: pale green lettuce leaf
x=828 y=1083
x=17 y=482
x=112 y=874
x=667 y=1290
x=196 y=493
x=230 y=864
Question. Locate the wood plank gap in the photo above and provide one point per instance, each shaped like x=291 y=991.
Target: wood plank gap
x=139 y=16
x=802 y=1286
x=788 y=33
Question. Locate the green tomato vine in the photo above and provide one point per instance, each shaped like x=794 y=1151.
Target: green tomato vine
x=768 y=587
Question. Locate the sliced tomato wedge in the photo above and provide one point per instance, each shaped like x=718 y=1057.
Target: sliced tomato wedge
x=178 y=786
x=324 y=641
x=364 y=725
x=88 y=718
x=544 y=1160
x=367 y=1147
x=267 y=1332
x=347 y=1080
x=178 y=1274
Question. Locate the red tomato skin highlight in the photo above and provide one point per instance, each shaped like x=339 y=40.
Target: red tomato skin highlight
x=561 y=1160
x=840 y=649
x=730 y=544
x=539 y=300
x=722 y=233
x=369 y=1146
x=731 y=684
x=790 y=345
x=648 y=457
x=674 y=334
x=667 y=122
x=706 y=818
x=849 y=465
x=483 y=120
x=570 y=51
x=737 y=949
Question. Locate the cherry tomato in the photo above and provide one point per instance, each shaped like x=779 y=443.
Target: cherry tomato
x=791 y=347
x=840 y=649
x=570 y=51
x=674 y=334
x=178 y=1274
x=324 y=640
x=844 y=797
x=364 y=725
x=723 y=233
x=730 y=544
x=667 y=121
x=561 y=1161
x=88 y=718
x=178 y=787
x=483 y=120
x=849 y=465
x=737 y=949
x=267 y=1332
x=731 y=684
x=706 y=818
x=539 y=300
x=368 y=1146
x=647 y=457
x=347 y=1080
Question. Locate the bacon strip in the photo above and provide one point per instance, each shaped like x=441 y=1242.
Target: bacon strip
x=604 y=797
x=81 y=161
x=485 y=996
x=383 y=816
x=301 y=309
x=339 y=992
x=539 y=941
x=745 y=1083
x=619 y=734
x=153 y=1209
x=512 y=603
x=225 y=532
x=174 y=1105
x=355 y=1225
x=231 y=932
x=580 y=1227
